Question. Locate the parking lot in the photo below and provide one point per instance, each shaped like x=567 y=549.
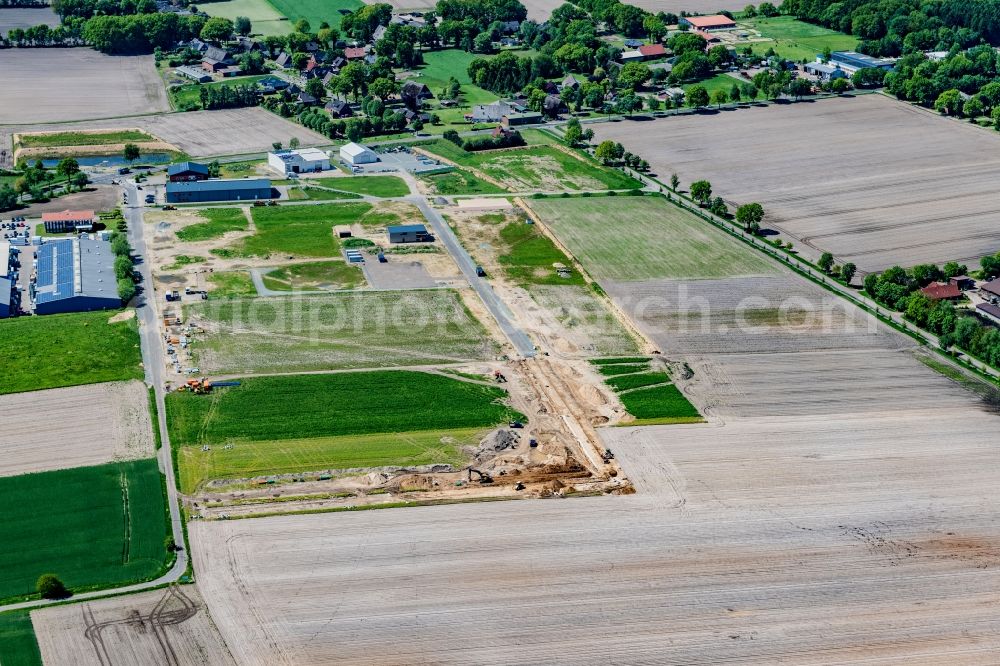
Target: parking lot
x=398 y=272
x=402 y=160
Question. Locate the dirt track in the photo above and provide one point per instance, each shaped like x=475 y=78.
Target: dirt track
x=872 y=180
x=84 y=425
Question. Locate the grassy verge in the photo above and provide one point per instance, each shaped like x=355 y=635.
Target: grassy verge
x=35 y=352
x=18 y=646
x=218 y=221
x=102 y=138
x=375 y=186
x=235 y=284
x=94 y=527
x=319 y=194
x=315 y=275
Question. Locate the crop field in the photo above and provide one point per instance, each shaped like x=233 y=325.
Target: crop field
x=343 y=330
x=316 y=11
x=168 y=626
x=302 y=231
x=530 y=257
x=34 y=353
x=795 y=40
x=92 y=526
x=264 y=18
x=867 y=192
x=83 y=425
x=537 y=168
x=641 y=238
x=315 y=275
x=218 y=221
x=38 y=82
x=374 y=186
x=97 y=138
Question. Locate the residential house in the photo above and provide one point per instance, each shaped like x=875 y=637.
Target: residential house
x=570 y=82
x=272 y=84
x=553 y=106
x=338 y=108
x=283 y=61
x=991 y=289
x=378 y=34
x=354 y=53
x=652 y=51
x=215 y=59
x=413 y=94
x=942 y=291
x=305 y=99
x=490 y=113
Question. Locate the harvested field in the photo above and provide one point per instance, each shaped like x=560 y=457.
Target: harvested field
x=38 y=82
x=26 y=17
x=541 y=10
x=689 y=6
x=343 y=330
x=642 y=238
x=83 y=425
x=867 y=192
x=170 y=626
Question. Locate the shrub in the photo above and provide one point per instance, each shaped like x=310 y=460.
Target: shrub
x=50 y=587
x=126 y=290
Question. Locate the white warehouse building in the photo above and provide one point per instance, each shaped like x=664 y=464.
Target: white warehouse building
x=355 y=153
x=304 y=160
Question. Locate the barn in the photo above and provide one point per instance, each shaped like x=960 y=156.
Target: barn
x=244 y=189
x=355 y=153
x=409 y=233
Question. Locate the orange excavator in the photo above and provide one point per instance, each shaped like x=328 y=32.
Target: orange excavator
x=202 y=385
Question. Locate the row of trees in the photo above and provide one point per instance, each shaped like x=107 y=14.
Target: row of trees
x=229 y=97
x=123 y=266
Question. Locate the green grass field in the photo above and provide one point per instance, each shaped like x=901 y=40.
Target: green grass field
x=376 y=186
x=344 y=330
x=218 y=221
x=235 y=284
x=35 y=355
x=440 y=65
x=240 y=169
x=190 y=93
x=797 y=40
x=315 y=275
x=645 y=238
x=460 y=182
x=74 y=523
x=661 y=404
x=316 y=11
x=637 y=380
x=718 y=82
x=264 y=18
x=334 y=407
x=319 y=194
x=100 y=138
x=18 y=646
x=301 y=231
x=530 y=257
x=246 y=459
x=535 y=168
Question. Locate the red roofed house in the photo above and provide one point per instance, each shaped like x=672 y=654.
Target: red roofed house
x=68 y=220
x=650 y=51
x=354 y=53
x=941 y=291
x=709 y=23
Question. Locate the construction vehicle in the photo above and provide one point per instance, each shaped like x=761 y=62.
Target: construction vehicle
x=202 y=385
x=515 y=424
x=498 y=377
x=483 y=476
x=608 y=456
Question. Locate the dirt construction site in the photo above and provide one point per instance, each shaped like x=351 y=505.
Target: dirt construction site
x=841 y=175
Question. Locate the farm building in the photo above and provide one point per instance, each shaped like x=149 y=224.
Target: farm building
x=824 y=71
x=186 y=171
x=709 y=23
x=991 y=289
x=342 y=231
x=8 y=280
x=632 y=56
x=989 y=311
x=652 y=51
x=216 y=59
x=74 y=275
x=244 y=189
x=409 y=233
x=193 y=73
x=355 y=153
x=963 y=282
x=514 y=119
x=413 y=94
x=850 y=62
x=68 y=220
x=492 y=113
x=302 y=160
x=338 y=108
x=942 y=291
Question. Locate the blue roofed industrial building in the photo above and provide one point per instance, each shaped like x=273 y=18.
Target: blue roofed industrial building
x=74 y=275
x=241 y=189
x=8 y=280
x=409 y=233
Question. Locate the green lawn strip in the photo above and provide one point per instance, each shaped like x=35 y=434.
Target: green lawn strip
x=72 y=523
x=532 y=257
x=239 y=169
x=376 y=186
x=18 y=646
x=35 y=352
x=346 y=403
x=233 y=284
x=722 y=82
x=797 y=40
x=460 y=182
x=191 y=93
x=658 y=402
x=219 y=221
x=101 y=138
x=644 y=238
x=318 y=454
x=613 y=370
x=319 y=194
x=315 y=275
x=635 y=381
x=618 y=360
x=304 y=231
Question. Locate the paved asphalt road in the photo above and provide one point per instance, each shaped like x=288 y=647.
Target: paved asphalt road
x=522 y=343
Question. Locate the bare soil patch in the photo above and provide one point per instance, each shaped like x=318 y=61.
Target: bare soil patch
x=74 y=427
x=871 y=180
x=95 y=197
x=170 y=626
x=53 y=85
